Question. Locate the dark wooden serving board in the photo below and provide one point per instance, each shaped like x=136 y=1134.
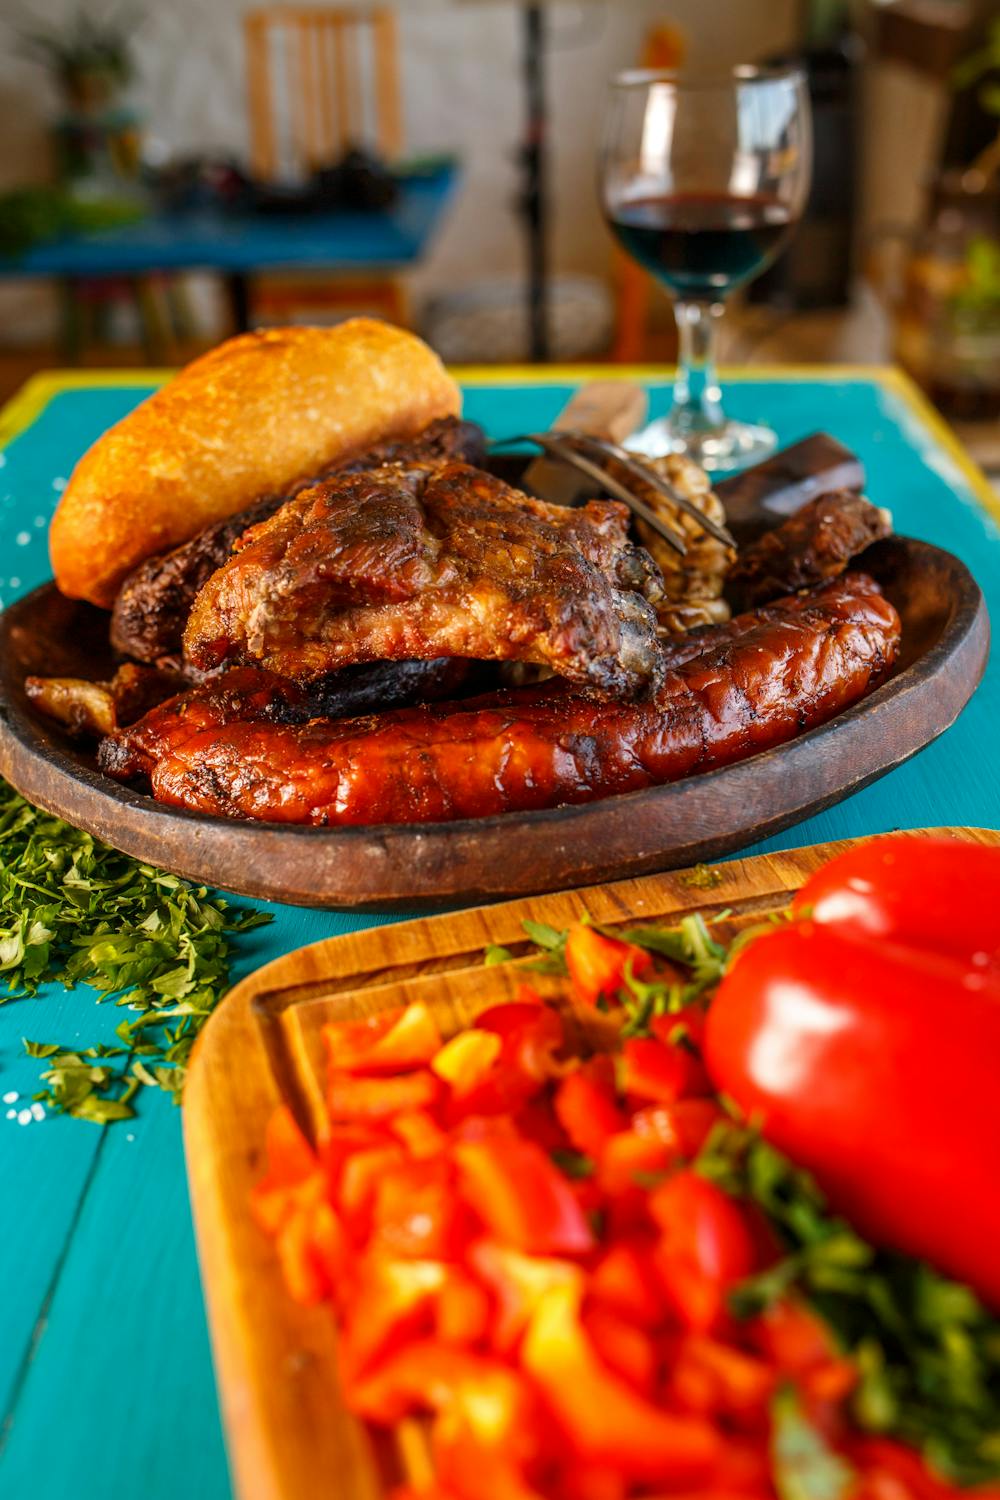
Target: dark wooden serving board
x=945 y=648
x=288 y=1433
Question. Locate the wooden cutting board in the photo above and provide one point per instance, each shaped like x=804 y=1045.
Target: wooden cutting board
x=289 y=1437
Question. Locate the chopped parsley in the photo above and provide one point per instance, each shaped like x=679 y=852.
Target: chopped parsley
x=74 y=911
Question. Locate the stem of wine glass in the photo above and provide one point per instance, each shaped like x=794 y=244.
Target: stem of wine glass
x=697 y=397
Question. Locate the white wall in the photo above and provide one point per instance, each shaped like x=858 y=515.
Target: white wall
x=462 y=89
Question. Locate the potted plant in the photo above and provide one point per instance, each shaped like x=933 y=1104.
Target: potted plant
x=90 y=60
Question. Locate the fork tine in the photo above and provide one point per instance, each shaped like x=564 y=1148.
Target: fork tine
x=648 y=475
x=555 y=444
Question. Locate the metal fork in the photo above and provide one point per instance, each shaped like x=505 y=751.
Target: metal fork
x=590 y=455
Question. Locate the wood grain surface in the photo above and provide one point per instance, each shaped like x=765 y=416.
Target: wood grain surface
x=289 y=1437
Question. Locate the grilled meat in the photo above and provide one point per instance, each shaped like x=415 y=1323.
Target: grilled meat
x=538 y=747
x=86 y=708
x=152 y=607
x=424 y=560
x=815 y=543
x=255 y=695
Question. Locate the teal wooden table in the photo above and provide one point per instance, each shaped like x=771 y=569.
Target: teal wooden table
x=105 y=1374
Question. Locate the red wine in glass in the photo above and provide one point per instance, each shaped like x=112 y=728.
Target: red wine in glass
x=702 y=245
x=703 y=176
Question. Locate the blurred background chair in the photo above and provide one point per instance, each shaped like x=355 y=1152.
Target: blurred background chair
x=319 y=83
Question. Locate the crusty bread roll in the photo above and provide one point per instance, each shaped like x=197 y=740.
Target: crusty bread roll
x=248 y=419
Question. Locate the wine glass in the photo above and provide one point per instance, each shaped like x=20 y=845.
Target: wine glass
x=703 y=178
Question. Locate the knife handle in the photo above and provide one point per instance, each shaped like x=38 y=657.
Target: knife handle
x=611 y=409
x=603 y=409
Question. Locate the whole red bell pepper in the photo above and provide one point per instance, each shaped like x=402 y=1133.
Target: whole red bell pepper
x=937 y=895
x=875 y=1067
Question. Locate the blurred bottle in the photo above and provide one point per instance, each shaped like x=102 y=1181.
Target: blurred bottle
x=948 y=315
x=817 y=268
x=948 y=312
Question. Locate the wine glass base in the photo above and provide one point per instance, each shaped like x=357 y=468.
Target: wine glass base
x=719 y=449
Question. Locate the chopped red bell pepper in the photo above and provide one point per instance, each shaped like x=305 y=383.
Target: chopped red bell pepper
x=352 y=1098
x=306 y=1242
x=490 y=1400
x=689 y=1023
x=650 y=1069
x=623 y=1347
x=708 y=1376
x=597 y=964
x=531 y=1033
x=388 y=1043
x=290 y=1157
x=515 y=1242
x=521 y=1196
x=458 y=1459
x=792 y=1337
x=705 y=1247
x=418 y=1132
x=605 y=1421
x=625 y=1279
x=463 y=1311
x=586 y=1107
x=684 y=1126
x=467 y=1059
x=518 y=1282
x=417 y=1212
x=294 y=1178
x=629 y=1160
x=392 y=1300
x=359 y=1181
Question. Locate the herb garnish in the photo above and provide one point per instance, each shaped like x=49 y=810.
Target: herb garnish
x=702 y=878
x=804 y=1465
x=76 y=911
x=927 y=1350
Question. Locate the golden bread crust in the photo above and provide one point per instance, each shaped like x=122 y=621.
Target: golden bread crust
x=252 y=417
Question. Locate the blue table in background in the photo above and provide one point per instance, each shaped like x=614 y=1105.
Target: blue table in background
x=237 y=245
x=105 y=1374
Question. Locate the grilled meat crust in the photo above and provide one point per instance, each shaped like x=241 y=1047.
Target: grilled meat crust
x=808 y=659
x=254 y=695
x=153 y=604
x=815 y=543
x=425 y=560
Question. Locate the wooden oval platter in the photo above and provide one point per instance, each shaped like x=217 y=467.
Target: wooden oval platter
x=289 y=1437
x=945 y=648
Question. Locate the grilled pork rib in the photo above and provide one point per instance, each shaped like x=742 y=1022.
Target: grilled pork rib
x=809 y=658
x=153 y=604
x=425 y=560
